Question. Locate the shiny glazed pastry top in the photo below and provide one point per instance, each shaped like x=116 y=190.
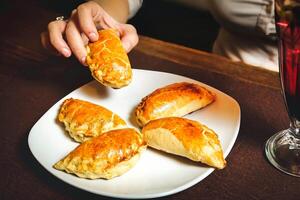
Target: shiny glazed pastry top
x=84 y=120
x=106 y=156
x=108 y=61
x=174 y=100
x=186 y=138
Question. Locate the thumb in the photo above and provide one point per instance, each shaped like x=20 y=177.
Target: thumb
x=129 y=36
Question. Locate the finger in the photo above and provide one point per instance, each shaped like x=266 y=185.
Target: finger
x=56 y=30
x=100 y=18
x=75 y=41
x=85 y=17
x=108 y=22
x=45 y=40
x=129 y=36
x=85 y=39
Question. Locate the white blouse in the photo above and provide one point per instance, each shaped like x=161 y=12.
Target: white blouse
x=134 y=6
x=247 y=31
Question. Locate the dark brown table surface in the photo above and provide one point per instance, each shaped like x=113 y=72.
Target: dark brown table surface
x=32 y=81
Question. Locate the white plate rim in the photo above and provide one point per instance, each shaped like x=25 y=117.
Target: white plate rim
x=154 y=195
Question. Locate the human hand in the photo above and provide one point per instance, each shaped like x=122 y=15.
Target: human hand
x=70 y=36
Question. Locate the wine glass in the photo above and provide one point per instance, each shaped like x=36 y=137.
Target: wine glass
x=283 y=148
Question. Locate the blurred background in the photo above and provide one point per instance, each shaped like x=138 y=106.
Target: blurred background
x=185 y=22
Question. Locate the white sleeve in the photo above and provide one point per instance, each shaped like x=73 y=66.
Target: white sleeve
x=134 y=6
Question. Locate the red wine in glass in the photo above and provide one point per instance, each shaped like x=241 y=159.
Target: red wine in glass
x=288 y=29
x=283 y=148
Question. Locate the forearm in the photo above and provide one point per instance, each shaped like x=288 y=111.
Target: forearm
x=118 y=9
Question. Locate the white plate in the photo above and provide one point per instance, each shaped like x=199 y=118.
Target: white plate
x=156 y=174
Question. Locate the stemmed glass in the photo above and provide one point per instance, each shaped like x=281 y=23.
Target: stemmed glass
x=283 y=148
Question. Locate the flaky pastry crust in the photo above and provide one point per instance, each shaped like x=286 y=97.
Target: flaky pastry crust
x=84 y=120
x=106 y=156
x=174 y=100
x=187 y=138
x=108 y=61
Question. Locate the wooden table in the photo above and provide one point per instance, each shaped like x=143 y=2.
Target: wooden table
x=32 y=81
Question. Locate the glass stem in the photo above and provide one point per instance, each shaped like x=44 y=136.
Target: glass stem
x=295 y=128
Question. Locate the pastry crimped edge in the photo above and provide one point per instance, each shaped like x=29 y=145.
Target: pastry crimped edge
x=81 y=136
x=143 y=114
x=99 y=75
x=116 y=171
x=109 y=172
x=162 y=134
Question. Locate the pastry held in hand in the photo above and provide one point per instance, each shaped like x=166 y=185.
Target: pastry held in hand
x=175 y=100
x=84 y=120
x=106 y=156
x=186 y=138
x=108 y=61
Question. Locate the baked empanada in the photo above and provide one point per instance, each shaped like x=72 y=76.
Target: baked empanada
x=175 y=100
x=109 y=155
x=186 y=138
x=108 y=61
x=84 y=120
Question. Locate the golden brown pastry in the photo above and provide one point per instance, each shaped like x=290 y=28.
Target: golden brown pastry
x=108 y=61
x=84 y=120
x=175 y=100
x=106 y=156
x=186 y=138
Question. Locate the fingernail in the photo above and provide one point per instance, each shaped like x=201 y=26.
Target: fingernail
x=93 y=36
x=66 y=52
x=83 y=59
x=126 y=46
